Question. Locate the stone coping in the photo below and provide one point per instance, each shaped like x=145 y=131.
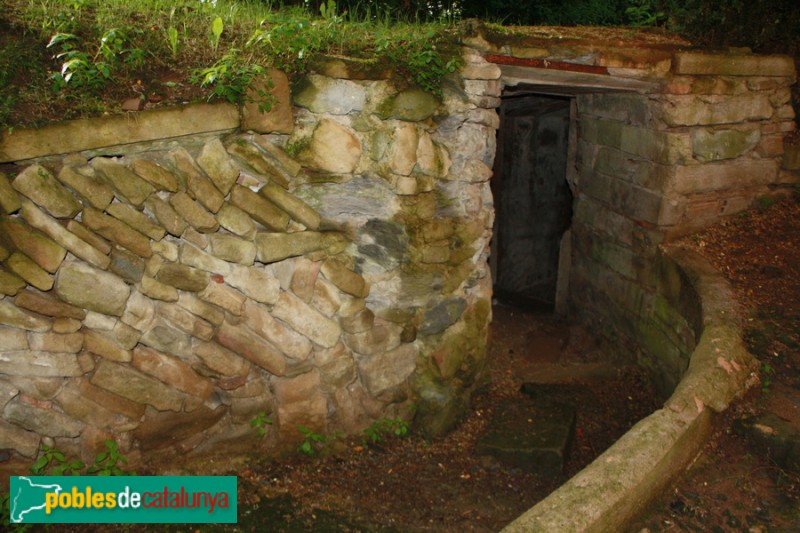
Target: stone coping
x=93 y=133
x=626 y=478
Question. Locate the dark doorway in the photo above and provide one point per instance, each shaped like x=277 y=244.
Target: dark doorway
x=533 y=201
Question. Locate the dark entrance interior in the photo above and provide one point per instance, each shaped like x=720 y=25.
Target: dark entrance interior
x=533 y=200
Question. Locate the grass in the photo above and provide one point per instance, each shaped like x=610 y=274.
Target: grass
x=70 y=58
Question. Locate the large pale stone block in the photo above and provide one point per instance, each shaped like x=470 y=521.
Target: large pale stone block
x=117 y=231
x=166 y=215
x=221 y=359
x=193 y=213
x=304 y=278
x=9 y=199
x=294 y=207
x=185 y=320
x=300 y=403
x=39 y=364
x=382 y=337
x=11 y=284
x=13 y=339
x=403 y=149
x=334 y=148
x=39 y=185
x=711 y=145
x=228 y=299
x=89 y=288
x=12 y=437
x=236 y=221
x=247 y=344
x=166 y=337
x=232 y=249
x=344 y=278
x=198 y=307
x=291 y=343
x=278 y=118
x=54 y=342
x=702 y=63
x=75 y=405
x=183 y=277
x=726 y=175
x=136 y=386
x=62 y=236
x=36 y=246
x=42 y=421
x=124 y=182
x=263 y=165
x=273 y=247
x=383 y=372
x=171 y=371
x=197 y=184
x=218 y=165
x=255 y=283
x=258 y=207
x=325 y=95
x=690 y=110
x=412 y=105
x=97 y=193
x=197 y=258
x=156 y=290
x=105 y=346
x=136 y=219
x=25 y=268
x=11 y=315
x=156 y=175
x=306 y=320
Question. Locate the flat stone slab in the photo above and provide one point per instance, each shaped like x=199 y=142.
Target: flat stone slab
x=532 y=434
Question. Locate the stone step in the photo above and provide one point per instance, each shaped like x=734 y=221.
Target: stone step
x=531 y=434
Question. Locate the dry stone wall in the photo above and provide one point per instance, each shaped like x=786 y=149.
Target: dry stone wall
x=324 y=265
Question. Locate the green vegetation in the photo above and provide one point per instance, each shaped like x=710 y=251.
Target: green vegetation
x=260 y=423
x=53 y=462
x=70 y=58
x=312 y=441
x=62 y=59
x=383 y=428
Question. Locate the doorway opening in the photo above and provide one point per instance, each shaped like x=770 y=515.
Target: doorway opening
x=533 y=200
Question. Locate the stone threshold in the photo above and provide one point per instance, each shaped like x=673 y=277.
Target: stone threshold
x=621 y=483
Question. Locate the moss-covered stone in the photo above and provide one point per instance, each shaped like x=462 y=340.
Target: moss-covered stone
x=413 y=105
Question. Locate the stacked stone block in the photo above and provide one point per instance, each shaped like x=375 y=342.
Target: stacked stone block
x=651 y=168
x=327 y=275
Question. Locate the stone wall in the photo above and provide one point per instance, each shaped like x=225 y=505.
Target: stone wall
x=325 y=264
x=704 y=144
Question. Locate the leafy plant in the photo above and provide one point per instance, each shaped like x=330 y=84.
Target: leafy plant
x=107 y=463
x=383 y=428
x=260 y=423
x=230 y=78
x=216 y=32
x=52 y=462
x=311 y=442
x=172 y=38
x=644 y=13
x=767 y=373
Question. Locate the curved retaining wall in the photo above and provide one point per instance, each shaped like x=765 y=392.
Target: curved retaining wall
x=618 y=485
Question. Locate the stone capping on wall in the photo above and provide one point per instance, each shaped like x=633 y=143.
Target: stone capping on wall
x=624 y=480
x=88 y=134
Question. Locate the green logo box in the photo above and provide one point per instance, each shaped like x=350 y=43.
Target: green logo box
x=123 y=499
